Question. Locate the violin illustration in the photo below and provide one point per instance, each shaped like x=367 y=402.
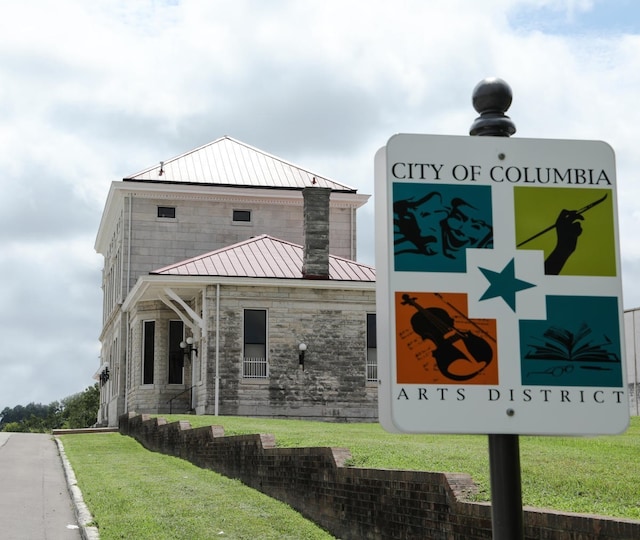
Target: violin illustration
x=460 y=355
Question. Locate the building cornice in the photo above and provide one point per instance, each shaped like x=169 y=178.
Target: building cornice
x=195 y=192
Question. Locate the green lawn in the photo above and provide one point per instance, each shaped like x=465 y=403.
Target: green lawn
x=134 y=493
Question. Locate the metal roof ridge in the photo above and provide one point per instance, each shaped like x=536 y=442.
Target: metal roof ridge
x=289 y=163
x=180 y=156
x=246 y=145
x=221 y=250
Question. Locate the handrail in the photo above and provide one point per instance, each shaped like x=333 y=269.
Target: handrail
x=170 y=402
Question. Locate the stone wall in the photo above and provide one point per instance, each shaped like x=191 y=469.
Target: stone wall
x=332 y=386
x=354 y=503
x=333 y=383
x=203 y=225
x=316 y=233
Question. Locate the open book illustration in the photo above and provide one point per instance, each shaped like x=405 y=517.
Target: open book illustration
x=564 y=345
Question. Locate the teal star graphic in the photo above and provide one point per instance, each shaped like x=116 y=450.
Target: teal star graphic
x=504 y=284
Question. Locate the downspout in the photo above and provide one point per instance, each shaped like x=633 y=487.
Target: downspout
x=196 y=371
x=194 y=367
x=127 y=366
x=217 y=378
x=129 y=247
x=128 y=369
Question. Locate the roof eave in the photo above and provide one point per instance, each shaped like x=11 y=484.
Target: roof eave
x=239 y=186
x=148 y=284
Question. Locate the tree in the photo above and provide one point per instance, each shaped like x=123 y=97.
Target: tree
x=15 y=427
x=81 y=410
x=76 y=411
x=31 y=417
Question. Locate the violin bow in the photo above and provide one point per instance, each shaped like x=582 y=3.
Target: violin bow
x=551 y=227
x=463 y=315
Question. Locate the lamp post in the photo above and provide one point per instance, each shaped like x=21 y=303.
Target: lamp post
x=188 y=347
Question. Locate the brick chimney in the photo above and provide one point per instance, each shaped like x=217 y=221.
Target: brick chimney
x=315 y=261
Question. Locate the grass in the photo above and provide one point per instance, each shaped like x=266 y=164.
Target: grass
x=134 y=493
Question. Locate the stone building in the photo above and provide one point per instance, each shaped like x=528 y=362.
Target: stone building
x=632 y=347
x=231 y=287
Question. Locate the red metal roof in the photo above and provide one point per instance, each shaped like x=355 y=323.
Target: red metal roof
x=264 y=257
x=229 y=162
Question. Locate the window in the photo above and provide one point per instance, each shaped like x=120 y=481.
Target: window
x=176 y=354
x=372 y=349
x=254 y=364
x=167 y=212
x=242 y=216
x=148 y=351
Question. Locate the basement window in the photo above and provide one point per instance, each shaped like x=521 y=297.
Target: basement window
x=167 y=212
x=242 y=216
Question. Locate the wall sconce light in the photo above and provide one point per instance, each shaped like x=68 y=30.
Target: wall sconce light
x=302 y=348
x=104 y=376
x=188 y=346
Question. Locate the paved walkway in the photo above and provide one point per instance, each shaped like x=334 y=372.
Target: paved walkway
x=34 y=499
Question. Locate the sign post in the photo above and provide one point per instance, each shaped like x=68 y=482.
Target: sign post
x=492 y=99
x=499 y=293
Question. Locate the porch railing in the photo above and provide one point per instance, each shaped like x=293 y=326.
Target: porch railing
x=255 y=368
x=170 y=402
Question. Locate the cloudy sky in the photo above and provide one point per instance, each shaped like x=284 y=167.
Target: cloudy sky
x=91 y=92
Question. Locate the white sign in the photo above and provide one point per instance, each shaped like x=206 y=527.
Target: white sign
x=499 y=292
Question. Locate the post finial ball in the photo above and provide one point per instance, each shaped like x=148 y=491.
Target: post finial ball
x=492 y=94
x=492 y=98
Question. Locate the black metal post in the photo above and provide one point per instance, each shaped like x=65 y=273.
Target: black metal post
x=507 y=522
x=492 y=98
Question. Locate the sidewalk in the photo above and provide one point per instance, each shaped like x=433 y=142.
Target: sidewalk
x=35 y=503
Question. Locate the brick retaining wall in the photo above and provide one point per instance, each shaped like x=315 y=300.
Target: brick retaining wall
x=355 y=503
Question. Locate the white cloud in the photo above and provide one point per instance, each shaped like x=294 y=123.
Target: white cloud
x=94 y=91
